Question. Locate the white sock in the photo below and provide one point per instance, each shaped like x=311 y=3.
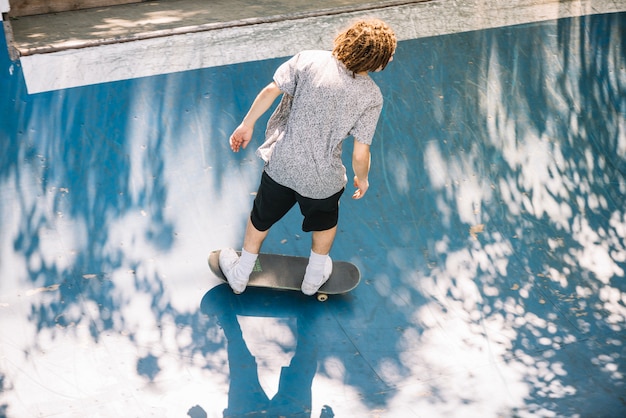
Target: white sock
x=317 y=263
x=246 y=262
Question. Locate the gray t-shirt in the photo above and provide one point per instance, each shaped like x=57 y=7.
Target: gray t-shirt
x=322 y=105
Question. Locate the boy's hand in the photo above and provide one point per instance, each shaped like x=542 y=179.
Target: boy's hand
x=241 y=137
x=361 y=187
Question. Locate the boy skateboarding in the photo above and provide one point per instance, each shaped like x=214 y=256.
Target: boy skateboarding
x=326 y=97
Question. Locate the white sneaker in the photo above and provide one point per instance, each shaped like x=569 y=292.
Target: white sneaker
x=229 y=263
x=312 y=282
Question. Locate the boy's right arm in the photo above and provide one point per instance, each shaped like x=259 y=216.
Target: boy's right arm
x=243 y=134
x=361 y=160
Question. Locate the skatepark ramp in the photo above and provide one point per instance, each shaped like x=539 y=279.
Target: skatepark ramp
x=491 y=242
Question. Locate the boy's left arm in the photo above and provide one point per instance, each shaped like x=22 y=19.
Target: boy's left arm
x=243 y=134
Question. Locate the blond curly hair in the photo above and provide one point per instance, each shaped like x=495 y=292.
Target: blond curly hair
x=367 y=45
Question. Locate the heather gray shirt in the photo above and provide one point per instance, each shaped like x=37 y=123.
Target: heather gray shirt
x=322 y=104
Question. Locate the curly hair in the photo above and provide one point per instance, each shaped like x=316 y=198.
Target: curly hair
x=367 y=45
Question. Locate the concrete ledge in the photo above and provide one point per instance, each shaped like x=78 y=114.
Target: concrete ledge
x=4 y=8
x=210 y=48
x=135 y=22
x=34 y=7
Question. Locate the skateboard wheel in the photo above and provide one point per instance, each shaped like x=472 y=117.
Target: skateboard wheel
x=322 y=297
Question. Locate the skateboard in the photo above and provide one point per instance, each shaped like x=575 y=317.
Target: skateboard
x=286 y=272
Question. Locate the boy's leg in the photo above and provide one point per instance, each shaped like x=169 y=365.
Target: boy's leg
x=323 y=241
x=320 y=264
x=272 y=202
x=236 y=268
x=320 y=217
x=254 y=238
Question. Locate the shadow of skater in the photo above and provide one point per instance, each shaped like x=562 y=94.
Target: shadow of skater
x=245 y=395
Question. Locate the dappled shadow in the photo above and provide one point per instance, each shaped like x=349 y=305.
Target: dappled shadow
x=502 y=154
x=89 y=215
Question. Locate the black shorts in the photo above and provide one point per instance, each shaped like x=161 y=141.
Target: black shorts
x=274 y=200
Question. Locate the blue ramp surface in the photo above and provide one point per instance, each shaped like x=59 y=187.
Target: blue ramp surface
x=491 y=243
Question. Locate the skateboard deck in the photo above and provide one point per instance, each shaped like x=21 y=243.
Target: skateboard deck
x=287 y=272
